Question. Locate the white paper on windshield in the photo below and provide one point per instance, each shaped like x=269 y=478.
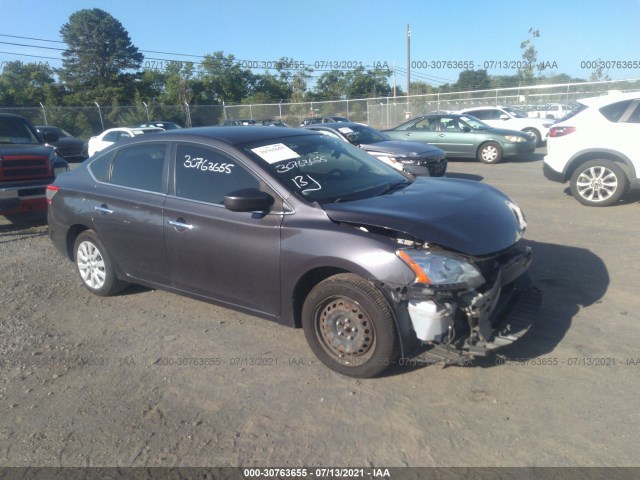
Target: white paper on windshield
x=345 y=130
x=275 y=153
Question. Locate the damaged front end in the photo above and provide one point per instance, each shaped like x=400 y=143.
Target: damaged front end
x=462 y=307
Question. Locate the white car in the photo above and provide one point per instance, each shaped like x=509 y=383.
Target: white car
x=597 y=149
x=112 y=135
x=511 y=119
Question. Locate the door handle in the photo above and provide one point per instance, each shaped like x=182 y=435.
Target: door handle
x=441 y=134
x=103 y=209
x=180 y=224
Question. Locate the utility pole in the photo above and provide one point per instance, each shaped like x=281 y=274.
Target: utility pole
x=408 y=59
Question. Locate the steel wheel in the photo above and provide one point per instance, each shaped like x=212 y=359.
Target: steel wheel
x=598 y=183
x=350 y=326
x=490 y=152
x=95 y=266
x=345 y=330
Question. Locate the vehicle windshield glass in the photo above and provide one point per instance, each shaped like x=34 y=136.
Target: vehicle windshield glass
x=16 y=131
x=516 y=113
x=323 y=169
x=473 y=122
x=359 y=134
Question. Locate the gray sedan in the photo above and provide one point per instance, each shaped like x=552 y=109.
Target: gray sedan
x=376 y=266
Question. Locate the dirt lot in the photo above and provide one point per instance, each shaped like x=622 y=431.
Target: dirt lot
x=149 y=378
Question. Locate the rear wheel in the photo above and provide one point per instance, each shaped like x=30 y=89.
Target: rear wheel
x=490 y=152
x=349 y=326
x=94 y=265
x=598 y=183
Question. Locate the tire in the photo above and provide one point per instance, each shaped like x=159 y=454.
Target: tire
x=349 y=326
x=94 y=265
x=536 y=133
x=490 y=152
x=598 y=183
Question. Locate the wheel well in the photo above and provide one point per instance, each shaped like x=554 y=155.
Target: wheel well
x=72 y=234
x=585 y=157
x=304 y=286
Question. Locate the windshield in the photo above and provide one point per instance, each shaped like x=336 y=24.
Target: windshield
x=16 y=131
x=516 y=113
x=473 y=122
x=323 y=169
x=359 y=134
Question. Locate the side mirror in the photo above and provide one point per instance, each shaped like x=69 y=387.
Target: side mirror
x=504 y=116
x=466 y=129
x=248 y=200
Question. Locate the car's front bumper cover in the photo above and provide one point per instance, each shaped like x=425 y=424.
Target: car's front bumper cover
x=496 y=317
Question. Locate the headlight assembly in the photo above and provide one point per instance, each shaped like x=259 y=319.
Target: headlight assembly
x=441 y=271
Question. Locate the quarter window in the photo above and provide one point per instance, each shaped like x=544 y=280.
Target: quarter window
x=208 y=175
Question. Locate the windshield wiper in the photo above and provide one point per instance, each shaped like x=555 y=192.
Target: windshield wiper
x=393 y=186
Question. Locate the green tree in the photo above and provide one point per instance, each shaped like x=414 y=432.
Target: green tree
x=530 y=57
x=224 y=80
x=100 y=60
x=26 y=84
x=473 y=80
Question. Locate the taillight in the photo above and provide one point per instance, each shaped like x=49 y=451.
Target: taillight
x=555 y=132
x=51 y=191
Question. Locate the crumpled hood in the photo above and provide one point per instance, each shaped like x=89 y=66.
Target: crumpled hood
x=405 y=148
x=461 y=215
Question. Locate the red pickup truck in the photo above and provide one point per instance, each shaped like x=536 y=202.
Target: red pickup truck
x=27 y=166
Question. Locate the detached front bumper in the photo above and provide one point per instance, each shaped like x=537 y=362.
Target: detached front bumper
x=473 y=324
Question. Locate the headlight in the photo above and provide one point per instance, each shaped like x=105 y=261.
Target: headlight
x=515 y=138
x=440 y=270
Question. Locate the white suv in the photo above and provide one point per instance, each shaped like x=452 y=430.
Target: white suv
x=597 y=149
x=509 y=118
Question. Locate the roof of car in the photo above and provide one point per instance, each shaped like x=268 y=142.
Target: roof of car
x=613 y=96
x=234 y=134
x=333 y=125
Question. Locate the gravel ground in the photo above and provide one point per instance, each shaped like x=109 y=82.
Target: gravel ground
x=149 y=378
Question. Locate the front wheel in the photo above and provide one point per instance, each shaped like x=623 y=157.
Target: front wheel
x=94 y=265
x=598 y=183
x=490 y=152
x=349 y=326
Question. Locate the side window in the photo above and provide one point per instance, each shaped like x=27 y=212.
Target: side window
x=626 y=112
x=111 y=137
x=635 y=115
x=140 y=166
x=426 y=124
x=208 y=175
x=481 y=114
x=614 y=111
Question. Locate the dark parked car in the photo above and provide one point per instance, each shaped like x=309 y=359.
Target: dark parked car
x=465 y=136
x=413 y=157
x=72 y=149
x=307 y=231
x=27 y=165
x=238 y=122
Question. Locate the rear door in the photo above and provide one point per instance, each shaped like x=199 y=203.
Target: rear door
x=126 y=209
x=232 y=257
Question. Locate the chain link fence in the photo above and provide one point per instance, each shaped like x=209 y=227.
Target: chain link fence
x=380 y=112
